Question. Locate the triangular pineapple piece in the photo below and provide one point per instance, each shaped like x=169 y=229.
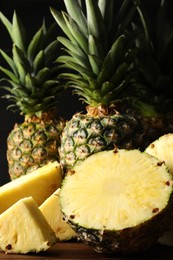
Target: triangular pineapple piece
x=118 y=201
x=24 y=229
x=39 y=184
x=52 y=212
x=162 y=148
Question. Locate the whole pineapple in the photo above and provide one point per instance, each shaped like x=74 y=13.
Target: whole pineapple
x=32 y=87
x=153 y=83
x=97 y=65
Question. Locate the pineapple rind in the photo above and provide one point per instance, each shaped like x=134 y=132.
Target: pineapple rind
x=118 y=201
x=24 y=229
x=84 y=135
x=39 y=184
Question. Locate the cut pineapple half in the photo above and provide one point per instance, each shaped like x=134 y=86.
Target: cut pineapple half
x=39 y=184
x=24 y=229
x=114 y=197
x=162 y=148
x=52 y=212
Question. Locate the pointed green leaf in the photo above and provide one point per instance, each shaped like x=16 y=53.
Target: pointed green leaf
x=39 y=61
x=59 y=18
x=10 y=74
x=96 y=25
x=19 y=33
x=43 y=75
x=9 y=61
x=7 y=24
x=72 y=46
x=78 y=36
x=74 y=10
x=94 y=64
x=35 y=45
x=95 y=47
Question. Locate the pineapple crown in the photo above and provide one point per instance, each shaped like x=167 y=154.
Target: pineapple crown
x=97 y=50
x=154 y=59
x=31 y=79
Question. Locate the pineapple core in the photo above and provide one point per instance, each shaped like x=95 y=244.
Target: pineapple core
x=115 y=190
x=39 y=184
x=24 y=229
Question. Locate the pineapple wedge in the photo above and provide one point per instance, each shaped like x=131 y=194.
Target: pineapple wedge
x=39 y=184
x=162 y=148
x=52 y=212
x=24 y=229
x=118 y=201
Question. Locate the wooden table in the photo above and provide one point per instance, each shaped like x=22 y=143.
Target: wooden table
x=78 y=250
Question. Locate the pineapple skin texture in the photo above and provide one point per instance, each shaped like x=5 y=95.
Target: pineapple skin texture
x=39 y=184
x=52 y=212
x=127 y=241
x=84 y=135
x=33 y=143
x=23 y=229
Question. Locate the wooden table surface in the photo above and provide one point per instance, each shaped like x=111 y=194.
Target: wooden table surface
x=77 y=250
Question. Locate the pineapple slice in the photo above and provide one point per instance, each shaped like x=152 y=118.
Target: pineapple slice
x=39 y=184
x=118 y=201
x=52 y=212
x=24 y=229
x=162 y=148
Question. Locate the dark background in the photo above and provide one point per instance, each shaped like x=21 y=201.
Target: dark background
x=32 y=12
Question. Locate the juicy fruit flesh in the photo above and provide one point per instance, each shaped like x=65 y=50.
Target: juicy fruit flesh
x=121 y=190
x=24 y=229
x=162 y=149
x=52 y=212
x=39 y=184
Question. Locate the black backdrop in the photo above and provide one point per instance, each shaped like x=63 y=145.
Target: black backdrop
x=32 y=13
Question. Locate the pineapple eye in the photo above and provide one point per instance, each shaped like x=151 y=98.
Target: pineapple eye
x=39 y=153
x=27 y=144
x=39 y=136
x=17 y=135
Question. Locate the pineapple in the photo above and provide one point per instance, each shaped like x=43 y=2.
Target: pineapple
x=118 y=201
x=40 y=184
x=97 y=66
x=162 y=148
x=32 y=87
x=152 y=98
x=23 y=229
x=52 y=212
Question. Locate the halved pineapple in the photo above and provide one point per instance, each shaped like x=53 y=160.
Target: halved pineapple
x=24 y=229
x=39 y=184
x=52 y=212
x=162 y=148
x=118 y=200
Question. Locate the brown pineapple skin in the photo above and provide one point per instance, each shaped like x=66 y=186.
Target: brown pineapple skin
x=98 y=130
x=33 y=143
x=128 y=241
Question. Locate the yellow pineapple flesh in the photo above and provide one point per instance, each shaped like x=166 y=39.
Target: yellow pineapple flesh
x=24 y=229
x=52 y=212
x=39 y=184
x=118 y=196
x=162 y=148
